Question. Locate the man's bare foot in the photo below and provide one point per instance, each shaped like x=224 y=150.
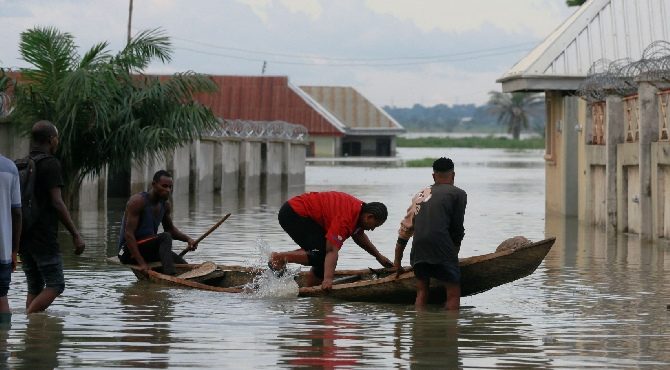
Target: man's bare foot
x=276 y=263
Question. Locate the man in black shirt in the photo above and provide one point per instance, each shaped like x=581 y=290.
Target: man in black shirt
x=435 y=219
x=39 y=249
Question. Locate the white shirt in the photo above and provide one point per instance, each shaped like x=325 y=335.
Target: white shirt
x=10 y=197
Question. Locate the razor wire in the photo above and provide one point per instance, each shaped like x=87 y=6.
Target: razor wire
x=620 y=77
x=592 y=88
x=260 y=130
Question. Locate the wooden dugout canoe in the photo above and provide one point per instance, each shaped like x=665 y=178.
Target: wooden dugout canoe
x=478 y=274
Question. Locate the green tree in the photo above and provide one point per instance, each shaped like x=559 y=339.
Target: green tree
x=106 y=110
x=575 y=2
x=513 y=109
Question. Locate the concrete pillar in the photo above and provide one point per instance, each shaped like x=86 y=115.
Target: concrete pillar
x=205 y=163
x=648 y=128
x=570 y=142
x=660 y=189
x=180 y=165
x=272 y=169
x=230 y=165
x=295 y=164
x=250 y=166
x=614 y=135
x=193 y=167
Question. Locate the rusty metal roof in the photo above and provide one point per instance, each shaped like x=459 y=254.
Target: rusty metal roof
x=354 y=110
x=269 y=98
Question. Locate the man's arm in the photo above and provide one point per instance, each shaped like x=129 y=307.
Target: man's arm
x=329 y=265
x=65 y=219
x=364 y=242
x=407 y=229
x=16 y=233
x=132 y=216
x=169 y=227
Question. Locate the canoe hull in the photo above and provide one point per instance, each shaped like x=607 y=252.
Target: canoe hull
x=478 y=274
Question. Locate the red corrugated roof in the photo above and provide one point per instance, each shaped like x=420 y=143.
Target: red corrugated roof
x=264 y=98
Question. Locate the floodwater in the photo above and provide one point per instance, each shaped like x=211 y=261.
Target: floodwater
x=597 y=301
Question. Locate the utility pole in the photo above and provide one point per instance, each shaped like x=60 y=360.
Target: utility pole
x=130 y=20
x=265 y=63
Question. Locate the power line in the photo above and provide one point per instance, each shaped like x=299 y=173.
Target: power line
x=358 y=59
x=354 y=63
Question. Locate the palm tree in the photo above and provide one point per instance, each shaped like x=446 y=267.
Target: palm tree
x=574 y=2
x=106 y=110
x=513 y=109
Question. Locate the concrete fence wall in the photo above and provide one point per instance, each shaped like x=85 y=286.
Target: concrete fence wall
x=637 y=167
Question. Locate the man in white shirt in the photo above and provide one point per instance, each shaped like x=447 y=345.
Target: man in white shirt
x=10 y=226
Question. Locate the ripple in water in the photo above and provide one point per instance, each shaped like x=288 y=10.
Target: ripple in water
x=269 y=284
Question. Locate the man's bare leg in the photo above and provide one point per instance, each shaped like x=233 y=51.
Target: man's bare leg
x=4 y=305
x=422 y=286
x=41 y=301
x=278 y=260
x=453 y=291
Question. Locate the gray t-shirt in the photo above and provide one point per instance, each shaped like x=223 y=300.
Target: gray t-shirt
x=438 y=226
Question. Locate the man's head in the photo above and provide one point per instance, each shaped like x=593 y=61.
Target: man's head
x=161 y=184
x=443 y=171
x=373 y=215
x=45 y=135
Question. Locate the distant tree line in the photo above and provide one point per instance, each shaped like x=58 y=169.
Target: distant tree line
x=461 y=118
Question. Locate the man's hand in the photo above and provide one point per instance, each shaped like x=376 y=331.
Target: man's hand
x=384 y=261
x=79 y=244
x=192 y=245
x=144 y=268
x=327 y=285
x=398 y=268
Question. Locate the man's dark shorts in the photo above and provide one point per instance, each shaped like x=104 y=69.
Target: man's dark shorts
x=306 y=233
x=5 y=278
x=43 y=270
x=446 y=272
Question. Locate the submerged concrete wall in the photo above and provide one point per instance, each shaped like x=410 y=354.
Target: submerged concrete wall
x=226 y=165
x=636 y=159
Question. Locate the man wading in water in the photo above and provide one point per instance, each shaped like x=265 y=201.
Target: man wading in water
x=139 y=241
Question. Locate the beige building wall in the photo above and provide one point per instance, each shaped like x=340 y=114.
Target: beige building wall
x=561 y=156
x=325 y=146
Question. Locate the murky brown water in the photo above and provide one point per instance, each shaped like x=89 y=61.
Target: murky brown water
x=596 y=301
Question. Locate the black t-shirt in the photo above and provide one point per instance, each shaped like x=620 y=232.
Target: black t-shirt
x=43 y=235
x=438 y=226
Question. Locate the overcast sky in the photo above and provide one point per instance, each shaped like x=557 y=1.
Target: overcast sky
x=395 y=52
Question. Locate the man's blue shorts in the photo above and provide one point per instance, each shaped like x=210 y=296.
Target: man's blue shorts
x=446 y=272
x=5 y=278
x=43 y=270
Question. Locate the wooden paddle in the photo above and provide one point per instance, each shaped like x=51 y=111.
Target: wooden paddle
x=211 y=229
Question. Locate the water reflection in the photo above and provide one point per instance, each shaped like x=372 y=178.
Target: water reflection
x=5 y=327
x=146 y=337
x=604 y=290
x=331 y=341
x=435 y=339
x=41 y=343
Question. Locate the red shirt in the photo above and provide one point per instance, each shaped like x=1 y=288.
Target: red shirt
x=336 y=212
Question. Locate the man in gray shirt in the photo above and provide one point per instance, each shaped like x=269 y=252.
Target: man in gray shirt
x=435 y=219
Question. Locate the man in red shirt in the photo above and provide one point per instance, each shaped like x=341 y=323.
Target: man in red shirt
x=320 y=222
